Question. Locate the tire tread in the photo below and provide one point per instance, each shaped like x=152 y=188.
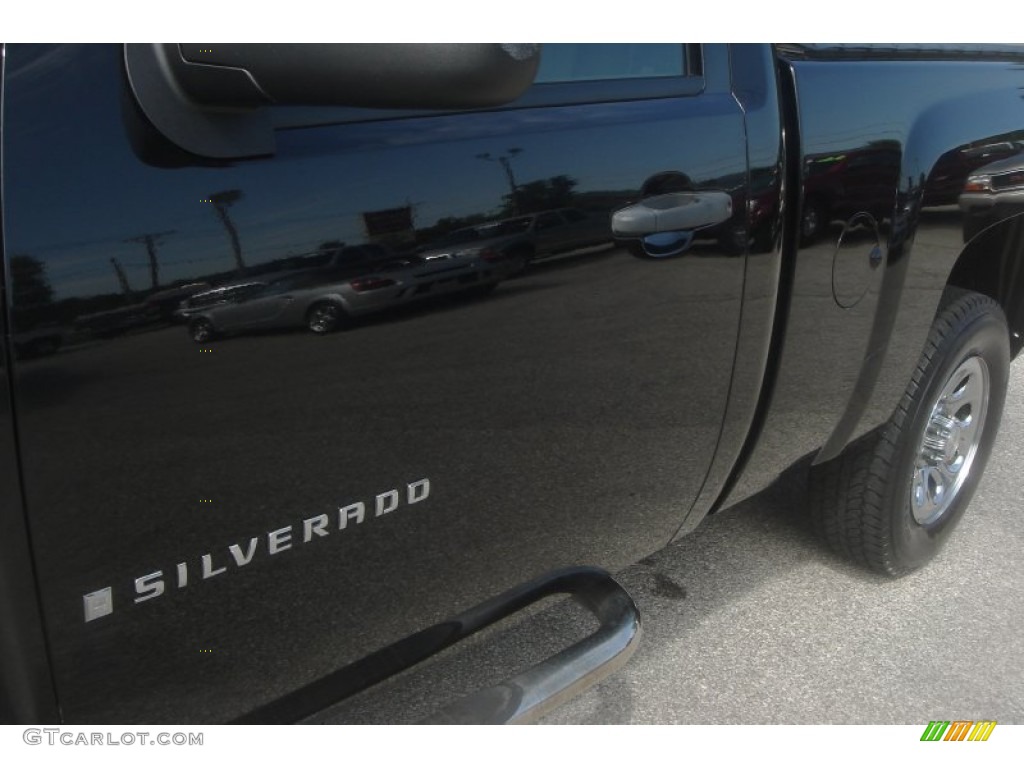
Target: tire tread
x=850 y=496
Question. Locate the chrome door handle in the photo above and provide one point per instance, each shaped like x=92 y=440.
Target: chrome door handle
x=673 y=212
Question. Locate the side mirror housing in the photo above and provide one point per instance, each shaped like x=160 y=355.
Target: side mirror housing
x=210 y=99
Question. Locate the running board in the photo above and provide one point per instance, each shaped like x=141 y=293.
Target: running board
x=523 y=698
x=531 y=694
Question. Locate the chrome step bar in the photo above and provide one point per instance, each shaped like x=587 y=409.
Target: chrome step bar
x=523 y=698
x=529 y=695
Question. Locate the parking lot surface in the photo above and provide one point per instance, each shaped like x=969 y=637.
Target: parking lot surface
x=751 y=620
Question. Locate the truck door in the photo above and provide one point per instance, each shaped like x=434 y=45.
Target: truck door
x=216 y=525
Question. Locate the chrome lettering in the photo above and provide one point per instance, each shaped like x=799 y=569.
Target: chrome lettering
x=383 y=507
x=100 y=603
x=313 y=525
x=279 y=540
x=418 y=491
x=149 y=586
x=351 y=512
x=208 y=570
x=240 y=558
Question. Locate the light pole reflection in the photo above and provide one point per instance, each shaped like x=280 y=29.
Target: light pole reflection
x=506 y=163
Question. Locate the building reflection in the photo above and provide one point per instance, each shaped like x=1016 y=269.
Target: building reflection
x=840 y=185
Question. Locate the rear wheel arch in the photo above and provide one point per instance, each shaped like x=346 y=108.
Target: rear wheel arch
x=992 y=263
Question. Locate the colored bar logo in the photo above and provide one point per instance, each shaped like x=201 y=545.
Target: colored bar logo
x=958 y=730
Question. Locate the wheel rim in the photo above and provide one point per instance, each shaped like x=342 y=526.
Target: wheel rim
x=201 y=332
x=950 y=441
x=323 y=318
x=810 y=222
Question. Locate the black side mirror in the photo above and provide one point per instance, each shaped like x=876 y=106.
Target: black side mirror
x=208 y=98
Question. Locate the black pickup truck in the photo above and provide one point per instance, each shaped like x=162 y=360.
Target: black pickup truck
x=389 y=433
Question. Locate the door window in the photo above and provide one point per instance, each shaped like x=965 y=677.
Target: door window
x=576 y=62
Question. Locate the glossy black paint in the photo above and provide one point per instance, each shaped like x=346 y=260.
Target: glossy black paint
x=578 y=410
x=527 y=408
x=758 y=91
x=26 y=686
x=898 y=137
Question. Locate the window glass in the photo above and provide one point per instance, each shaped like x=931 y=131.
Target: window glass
x=460 y=236
x=511 y=227
x=570 y=62
x=570 y=73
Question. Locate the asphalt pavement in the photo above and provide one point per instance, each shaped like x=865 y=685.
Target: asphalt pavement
x=751 y=620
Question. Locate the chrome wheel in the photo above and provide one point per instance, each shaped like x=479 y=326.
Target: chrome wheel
x=892 y=499
x=323 y=318
x=811 y=222
x=950 y=441
x=202 y=331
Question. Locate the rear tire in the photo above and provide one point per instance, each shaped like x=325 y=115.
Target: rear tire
x=892 y=498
